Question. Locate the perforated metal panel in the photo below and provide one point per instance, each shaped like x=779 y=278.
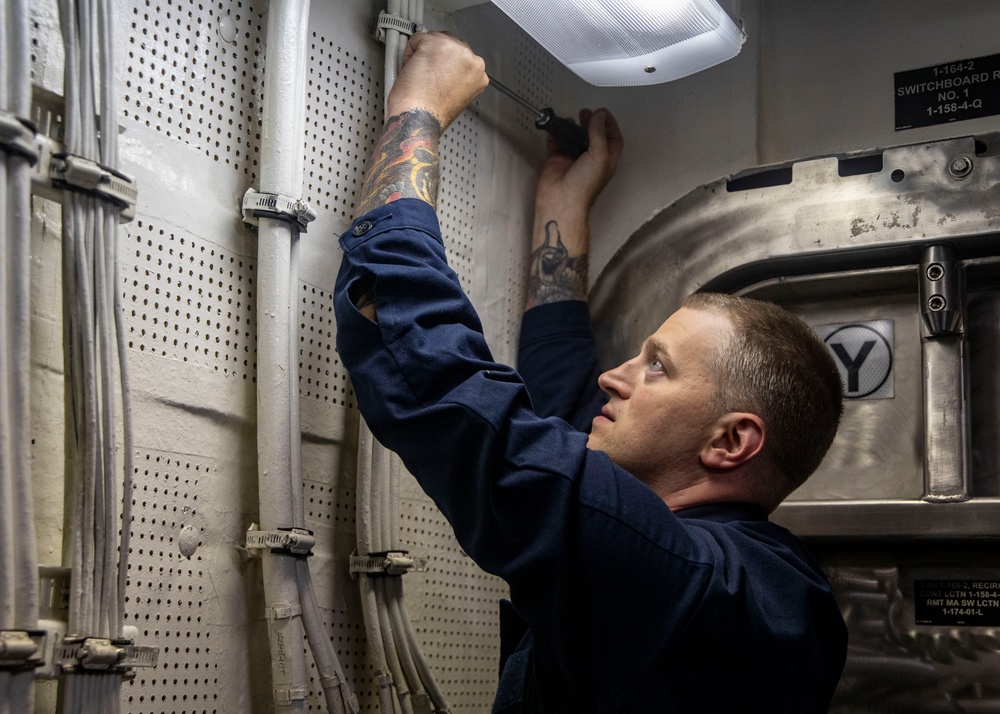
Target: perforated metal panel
x=453 y=607
x=194 y=72
x=343 y=118
x=191 y=74
x=190 y=300
x=167 y=590
x=458 y=192
x=321 y=376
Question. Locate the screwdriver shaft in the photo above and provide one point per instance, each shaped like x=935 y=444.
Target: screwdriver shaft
x=516 y=97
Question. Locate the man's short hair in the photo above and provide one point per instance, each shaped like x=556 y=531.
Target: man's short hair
x=776 y=367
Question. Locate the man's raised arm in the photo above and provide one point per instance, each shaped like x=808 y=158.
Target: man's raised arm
x=567 y=189
x=440 y=76
x=557 y=356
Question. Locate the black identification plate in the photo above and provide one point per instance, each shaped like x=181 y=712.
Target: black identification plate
x=957 y=602
x=944 y=93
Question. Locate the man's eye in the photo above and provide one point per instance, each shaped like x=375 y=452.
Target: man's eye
x=655 y=366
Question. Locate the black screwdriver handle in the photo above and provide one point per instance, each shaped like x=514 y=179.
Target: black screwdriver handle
x=570 y=136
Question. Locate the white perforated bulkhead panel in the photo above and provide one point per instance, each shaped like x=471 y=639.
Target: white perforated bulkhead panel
x=191 y=75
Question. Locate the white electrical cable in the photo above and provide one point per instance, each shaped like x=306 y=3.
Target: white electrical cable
x=392 y=40
x=331 y=673
x=369 y=603
x=404 y=12
x=294 y=410
x=381 y=528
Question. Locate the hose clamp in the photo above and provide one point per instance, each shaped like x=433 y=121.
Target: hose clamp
x=389 y=562
x=99 y=655
x=295 y=542
x=394 y=22
x=258 y=205
x=85 y=176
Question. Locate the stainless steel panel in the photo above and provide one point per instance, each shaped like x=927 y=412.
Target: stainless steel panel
x=877 y=452
x=977 y=518
x=819 y=222
x=945 y=424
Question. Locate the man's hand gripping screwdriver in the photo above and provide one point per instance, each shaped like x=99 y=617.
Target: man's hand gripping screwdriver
x=570 y=136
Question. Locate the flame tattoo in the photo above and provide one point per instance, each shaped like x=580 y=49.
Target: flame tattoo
x=405 y=163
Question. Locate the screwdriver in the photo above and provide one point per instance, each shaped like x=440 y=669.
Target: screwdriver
x=570 y=136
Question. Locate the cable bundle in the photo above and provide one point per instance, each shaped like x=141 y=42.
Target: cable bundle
x=393 y=648
x=93 y=352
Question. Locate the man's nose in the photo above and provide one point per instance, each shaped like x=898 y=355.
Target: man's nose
x=617 y=382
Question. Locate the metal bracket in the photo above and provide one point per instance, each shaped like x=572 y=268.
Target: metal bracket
x=21 y=650
x=80 y=174
x=17 y=136
x=297 y=542
x=89 y=655
x=287 y=696
x=394 y=22
x=282 y=611
x=258 y=205
x=390 y=562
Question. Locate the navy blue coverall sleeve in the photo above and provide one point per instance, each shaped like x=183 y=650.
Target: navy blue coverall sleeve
x=557 y=359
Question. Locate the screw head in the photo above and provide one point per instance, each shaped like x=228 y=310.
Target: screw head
x=649 y=70
x=960 y=166
x=935 y=271
x=936 y=303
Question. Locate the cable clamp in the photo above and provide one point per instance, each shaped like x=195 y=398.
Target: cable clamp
x=390 y=562
x=258 y=205
x=90 y=655
x=287 y=696
x=17 y=136
x=21 y=650
x=283 y=611
x=297 y=542
x=80 y=174
x=397 y=23
x=346 y=695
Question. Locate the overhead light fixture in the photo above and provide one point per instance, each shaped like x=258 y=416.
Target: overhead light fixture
x=614 y=43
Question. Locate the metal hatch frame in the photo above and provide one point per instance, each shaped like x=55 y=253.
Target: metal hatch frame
x=820 y=216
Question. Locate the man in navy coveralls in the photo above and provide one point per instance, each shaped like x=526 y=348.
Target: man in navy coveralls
x=639 y=557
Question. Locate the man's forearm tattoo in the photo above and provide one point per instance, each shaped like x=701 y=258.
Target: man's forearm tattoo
x=405 y=163
x=553 y=275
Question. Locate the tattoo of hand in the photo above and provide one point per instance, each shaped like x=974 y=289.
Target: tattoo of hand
x=405 y=163
x=553 y=275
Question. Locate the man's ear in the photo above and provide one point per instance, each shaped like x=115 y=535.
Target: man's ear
x=736 y=438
